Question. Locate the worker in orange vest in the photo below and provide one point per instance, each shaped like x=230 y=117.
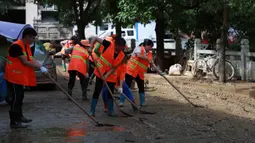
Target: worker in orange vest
x=93 y=60
x=19 y=72
x=126 y=90
x=65 y=45
x=95 y=57
x=111 y=56
x=79 y=66
x=138 y=65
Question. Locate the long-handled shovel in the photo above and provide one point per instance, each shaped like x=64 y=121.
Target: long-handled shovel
x=192 y=104
x=108 y=88
x=77 y=104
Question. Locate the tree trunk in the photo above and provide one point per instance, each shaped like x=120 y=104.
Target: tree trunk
x=81 y=27
x=224 y=44
x=160 y=32
x=178 y=47
x=118 y=28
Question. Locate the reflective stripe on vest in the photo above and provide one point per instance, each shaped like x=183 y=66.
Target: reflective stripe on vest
x=99 y=64
x=81 y=50
x=16 y=71
x=79 y=57
x=105 y=61
x=139 y=64
x=25 y=54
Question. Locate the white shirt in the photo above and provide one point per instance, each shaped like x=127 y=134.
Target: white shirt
x=138 y=50
x=63 y=42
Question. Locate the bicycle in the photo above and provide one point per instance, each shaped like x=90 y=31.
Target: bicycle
x=211 y=64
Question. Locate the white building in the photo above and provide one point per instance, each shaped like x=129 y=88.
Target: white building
x=43 y=18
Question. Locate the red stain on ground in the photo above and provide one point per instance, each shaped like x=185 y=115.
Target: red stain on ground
x=80 y=130
x=118 y=129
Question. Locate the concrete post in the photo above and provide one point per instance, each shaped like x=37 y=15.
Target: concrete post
x=245 y=49
x=197 y=46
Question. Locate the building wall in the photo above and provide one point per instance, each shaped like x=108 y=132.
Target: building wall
x=31 y=13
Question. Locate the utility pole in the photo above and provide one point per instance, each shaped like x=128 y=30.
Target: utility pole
x=224 y=44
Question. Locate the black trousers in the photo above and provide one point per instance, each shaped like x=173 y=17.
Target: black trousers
x=91 y=69
x=99 y=86
x=139 y=81
x=16 y=92
x=83 y=81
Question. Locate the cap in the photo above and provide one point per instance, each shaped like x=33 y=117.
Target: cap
x=85 y=43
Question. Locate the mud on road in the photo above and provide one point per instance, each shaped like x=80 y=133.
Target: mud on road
x=226 y=118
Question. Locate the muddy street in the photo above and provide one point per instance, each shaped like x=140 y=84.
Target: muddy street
x=225 y=118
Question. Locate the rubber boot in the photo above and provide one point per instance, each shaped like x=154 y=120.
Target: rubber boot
x=93 y=107
x=122 y=99
x=70 y=92
x=64 y=66
x=105 y=98
x=142 y=99
x=111 y=111
x=24 y=120
x=15 y=122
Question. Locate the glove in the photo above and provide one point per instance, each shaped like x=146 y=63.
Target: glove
x=43 y=69
x=87 y=75
x=120 y=90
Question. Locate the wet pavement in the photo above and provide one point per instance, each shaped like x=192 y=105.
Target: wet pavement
x=57 y=120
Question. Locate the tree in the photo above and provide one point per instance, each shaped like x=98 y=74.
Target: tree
x=82 y=12
x=161 y=11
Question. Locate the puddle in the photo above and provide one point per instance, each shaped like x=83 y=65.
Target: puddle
x=54 y=132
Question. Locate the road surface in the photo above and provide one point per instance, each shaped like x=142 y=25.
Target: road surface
x=225 y=118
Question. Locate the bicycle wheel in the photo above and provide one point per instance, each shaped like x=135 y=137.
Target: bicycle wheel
x=198 y=64
x=229 y=70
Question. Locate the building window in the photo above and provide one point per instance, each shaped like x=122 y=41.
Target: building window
x=130 y=33
x=104 y=27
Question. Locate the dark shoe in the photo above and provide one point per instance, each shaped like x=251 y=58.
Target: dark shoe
x=25 y=120
x=17 y=125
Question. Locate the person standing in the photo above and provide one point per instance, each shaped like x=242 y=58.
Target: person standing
x=65 y=45
x=19 y=72
x=79 y=66
x=111 y=56
x=138 y=65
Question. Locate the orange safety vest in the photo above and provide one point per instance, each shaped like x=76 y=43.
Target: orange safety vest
x=79 y=58
x=137 y=66
x=121 y=71
x=106 y=62
x=95 y=57
x=67 y=45
x=16 y=72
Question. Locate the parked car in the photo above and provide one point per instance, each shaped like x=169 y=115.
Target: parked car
x=42 y=56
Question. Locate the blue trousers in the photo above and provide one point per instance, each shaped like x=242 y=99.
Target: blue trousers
x=126 y=91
